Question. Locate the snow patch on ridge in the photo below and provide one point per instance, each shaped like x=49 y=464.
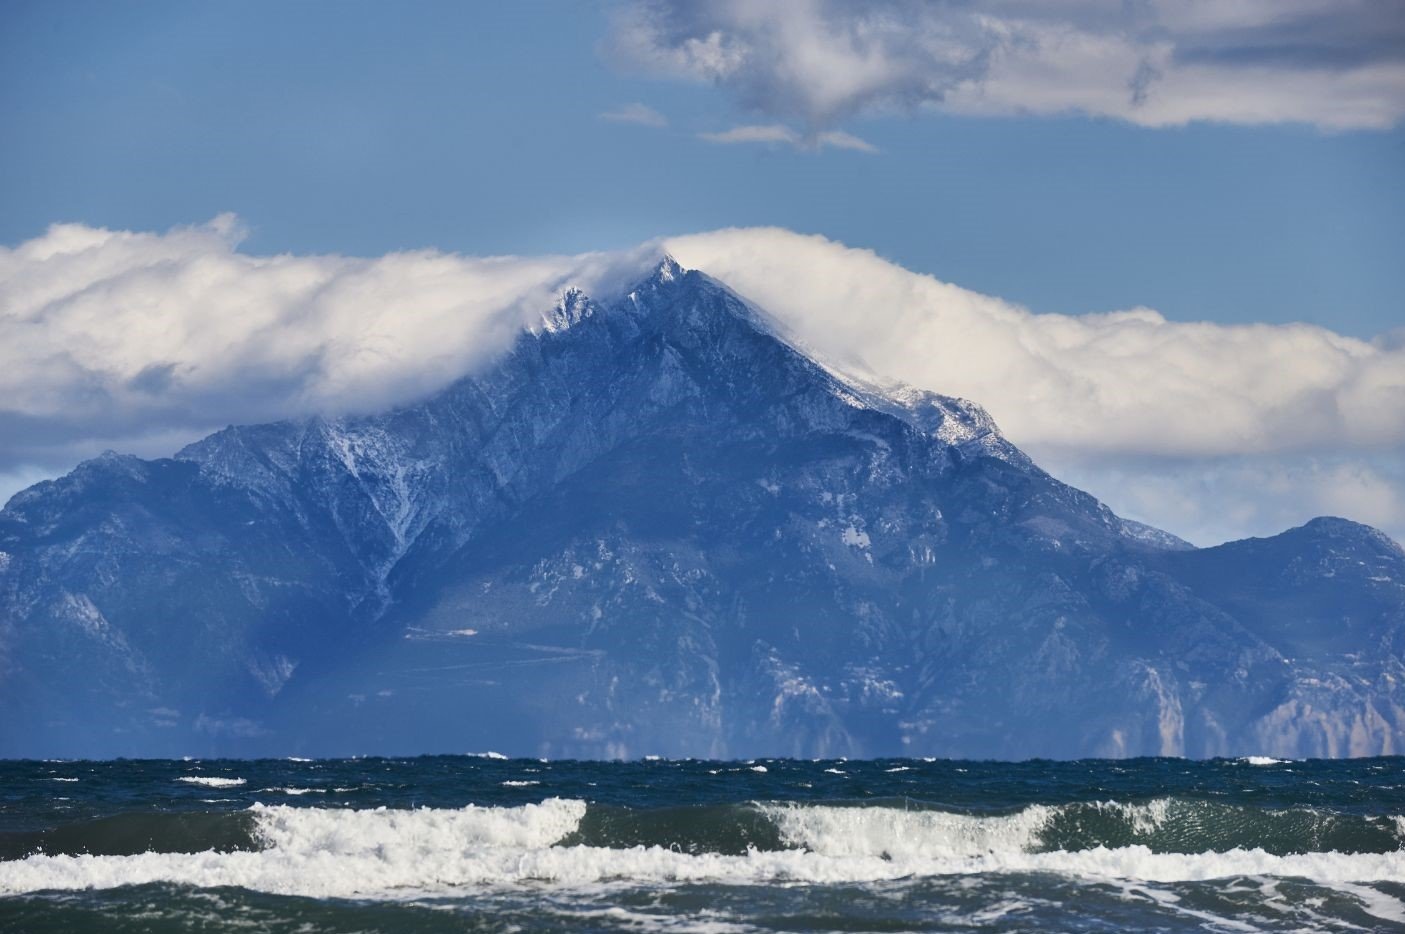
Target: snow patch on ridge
x=854 y=537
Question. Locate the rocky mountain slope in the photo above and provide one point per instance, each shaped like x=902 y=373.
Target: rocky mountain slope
x=655 y=526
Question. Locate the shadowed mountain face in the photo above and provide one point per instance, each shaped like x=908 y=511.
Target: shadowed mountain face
x=656 y=527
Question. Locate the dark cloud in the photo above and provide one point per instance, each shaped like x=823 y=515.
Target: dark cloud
x=1352 y=37
x=1340 y=65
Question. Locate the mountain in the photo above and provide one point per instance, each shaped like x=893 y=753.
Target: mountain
x=657 y=526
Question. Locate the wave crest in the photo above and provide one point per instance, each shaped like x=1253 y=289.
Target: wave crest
x=335 y=852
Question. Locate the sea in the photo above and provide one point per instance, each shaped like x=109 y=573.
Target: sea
x=486 y=843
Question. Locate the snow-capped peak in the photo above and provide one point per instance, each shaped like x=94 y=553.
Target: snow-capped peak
x=571 y=307
x=668 y=269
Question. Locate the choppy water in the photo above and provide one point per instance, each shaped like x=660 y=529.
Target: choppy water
x=460 y=843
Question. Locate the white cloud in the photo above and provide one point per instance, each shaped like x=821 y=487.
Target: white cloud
x=1212 y=500
x=142 y=341
x=772 y=133
x=640 y=114
x=1339 y=64
x=1125 y=383
x=1210 y=431
x=779 y=134
x=125 y=339
x=841 y=140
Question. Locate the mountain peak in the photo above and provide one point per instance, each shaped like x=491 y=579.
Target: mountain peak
x=571 y=307
x=665 y=275
x=1345 y=530
x=668 y=269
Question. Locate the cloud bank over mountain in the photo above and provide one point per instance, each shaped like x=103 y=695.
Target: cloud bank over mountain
x=142 y=341
x=129 y=340
x=1126 y=382
x=1338 y=65
x=1212 y=431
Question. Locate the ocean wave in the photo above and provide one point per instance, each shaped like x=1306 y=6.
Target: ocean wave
x=1161 y=825
x=331 y=852
x=211 y=781
x=903 y=833
x=142 y=832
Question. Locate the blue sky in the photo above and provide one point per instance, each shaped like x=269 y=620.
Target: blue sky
x=363 y=128
x=1241 y=164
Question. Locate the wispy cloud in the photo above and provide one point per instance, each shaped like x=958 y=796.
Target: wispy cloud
x=841 y=140
x=1214 y=499
x=1339 y=64
x=771 y=133
x=778 y=134
x=640 y=114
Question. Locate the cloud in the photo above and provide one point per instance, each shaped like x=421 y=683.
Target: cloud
x=1211 y=431
x=640 y=114
x=1126 y=382
x=1211 y=500
x=779 y=134
x=137 y=341
x=143 y=341
x=841 y=140
x=1339 y=64
x=769 y=133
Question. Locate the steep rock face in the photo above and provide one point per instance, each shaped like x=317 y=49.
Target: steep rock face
x=655 y=526
x=1330 y=596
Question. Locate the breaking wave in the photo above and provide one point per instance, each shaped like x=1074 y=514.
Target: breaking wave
x=336 y=852
x=211 y=781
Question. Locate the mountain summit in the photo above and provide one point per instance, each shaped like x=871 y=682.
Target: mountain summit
x=655 y=526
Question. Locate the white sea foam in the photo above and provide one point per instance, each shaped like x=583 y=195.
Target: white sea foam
x=1377 y=904
x=1262 y=760
x=211 y=781
x=515 y=784
x=1145 y=818
x=901 y=834
x=409 y=853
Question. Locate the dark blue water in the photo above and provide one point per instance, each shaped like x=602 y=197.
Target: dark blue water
x=475 y=843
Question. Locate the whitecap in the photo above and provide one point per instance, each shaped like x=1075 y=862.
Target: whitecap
x=394 y=853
